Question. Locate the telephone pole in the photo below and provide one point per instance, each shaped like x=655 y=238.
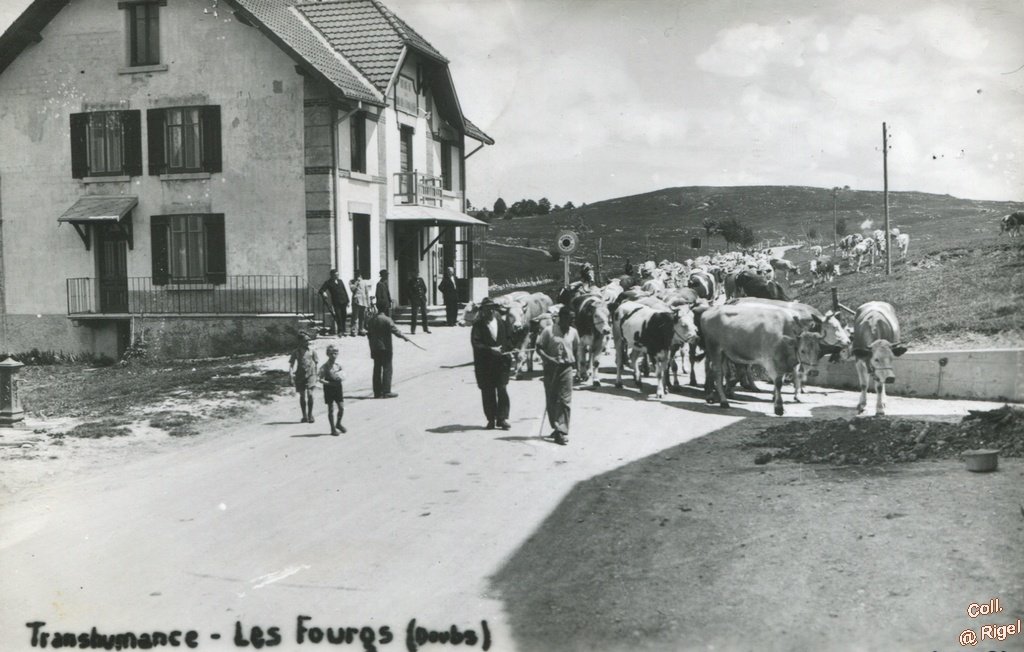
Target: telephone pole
x=885 y=195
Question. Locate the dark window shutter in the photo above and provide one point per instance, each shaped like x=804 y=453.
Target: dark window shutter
x=158 y=226
x=211 y=139
x=216 y=263
x=155 y=119
x=79 y=151
x=132 y=121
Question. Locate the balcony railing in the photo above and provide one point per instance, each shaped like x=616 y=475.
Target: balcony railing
x=238 y=295
x=416 y=188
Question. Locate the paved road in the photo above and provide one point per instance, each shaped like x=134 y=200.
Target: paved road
x=406 y=516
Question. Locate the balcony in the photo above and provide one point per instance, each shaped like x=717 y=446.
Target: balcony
x=419 y=189
x=238 y=295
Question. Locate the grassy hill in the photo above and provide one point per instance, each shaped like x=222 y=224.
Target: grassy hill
x=962 y=283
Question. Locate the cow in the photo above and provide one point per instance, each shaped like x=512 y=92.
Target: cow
x=704 y=284
x=783 y=265
x=823 y=269
x=816 y=251
x=863 y=248
x=640 y=330
x=534 y=306
x=593 y=323
x=750 y=334
x=835 y=339
x=876 y=341
x=903 y=242
x=749 y=284
x=1012 y=223
x=847 y=244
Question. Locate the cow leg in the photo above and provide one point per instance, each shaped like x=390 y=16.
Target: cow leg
x=777 y=395
x=863 y=379
x=693 y=356
x=635 y=358
x=620 y=359
x=797 y=382
x=720 y=379
x=661 y=368
x=880 y=402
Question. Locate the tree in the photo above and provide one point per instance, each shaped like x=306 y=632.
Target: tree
x=734 y=231
x=841 y=227
x=568 y=206
x=500 y=207
x=711 y=227
x=544 y=206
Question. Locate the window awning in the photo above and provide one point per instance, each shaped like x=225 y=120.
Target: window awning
x=431 y=216
x=99 y=209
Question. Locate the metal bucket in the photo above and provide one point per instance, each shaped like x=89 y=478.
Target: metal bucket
x=982 y=460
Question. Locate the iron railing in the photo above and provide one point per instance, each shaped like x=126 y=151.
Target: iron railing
x=245 y=295
x=419 y=189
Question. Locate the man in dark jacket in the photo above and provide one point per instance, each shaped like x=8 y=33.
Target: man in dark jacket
x=418 y=300
x=450 y=293
x=334 y=292
x=491 y=362
x=382 y=296
x=379 y=330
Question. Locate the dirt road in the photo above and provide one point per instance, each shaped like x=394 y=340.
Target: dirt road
x=418 y=512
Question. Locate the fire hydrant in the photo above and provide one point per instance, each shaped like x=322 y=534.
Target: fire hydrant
x=11 y=413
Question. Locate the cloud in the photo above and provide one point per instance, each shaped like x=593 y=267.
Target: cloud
x=748 y=49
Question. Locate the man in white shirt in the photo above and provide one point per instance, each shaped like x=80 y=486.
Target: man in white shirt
x=558 y=346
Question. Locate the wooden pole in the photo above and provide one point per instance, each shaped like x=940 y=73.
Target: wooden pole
x=835 y=223
x=597 y=272
x=566 y=271
x=885 y=194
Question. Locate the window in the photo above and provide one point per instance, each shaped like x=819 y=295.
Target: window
x=184 y=139
x=143 y=33
x=406 y=97
x=358 y=142
x=106 y=143
x=188 y=248
x=446 y=165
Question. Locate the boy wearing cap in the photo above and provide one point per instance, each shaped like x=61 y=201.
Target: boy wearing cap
x=559 y=346
x=302 y=369
x=332 y=375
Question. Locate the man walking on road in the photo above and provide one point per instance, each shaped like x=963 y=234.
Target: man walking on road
x=492 y=363
x=382 y=296
x=418 y=300
x=303 y=365
x=558 y=346
x=379 y=330
x=334 y=292
x=360 y=304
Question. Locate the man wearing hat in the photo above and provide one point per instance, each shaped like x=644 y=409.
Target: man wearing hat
x=450 y=293
x=379 y=330
x=333 y=290
x=559 y=346
x=491 y=362
x=382 y=297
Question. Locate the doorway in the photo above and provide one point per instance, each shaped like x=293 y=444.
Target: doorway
x=407 y=243
x=361 y=244
x=112 y=268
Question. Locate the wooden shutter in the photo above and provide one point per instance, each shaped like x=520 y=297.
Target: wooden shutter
x=79 y=145
x=158 y=227
x=216 y=261
x=211 y=139
x=155 y=120
x=132 y=121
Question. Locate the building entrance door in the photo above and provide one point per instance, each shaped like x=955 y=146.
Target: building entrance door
x=112 y=268
x=407 y=239
x=361 y=244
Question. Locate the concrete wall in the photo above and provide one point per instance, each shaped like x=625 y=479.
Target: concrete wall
x=990 y=374
x=209 y=61
x=201 y=337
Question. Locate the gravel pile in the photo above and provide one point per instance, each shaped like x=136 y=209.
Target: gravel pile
x=887 y=440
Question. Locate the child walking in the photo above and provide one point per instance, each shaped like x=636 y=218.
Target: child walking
x=331 y=375
x=302 y=368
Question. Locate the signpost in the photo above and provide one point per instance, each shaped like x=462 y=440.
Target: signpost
x=567 y=243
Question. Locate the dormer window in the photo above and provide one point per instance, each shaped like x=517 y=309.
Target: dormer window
x=143 y=22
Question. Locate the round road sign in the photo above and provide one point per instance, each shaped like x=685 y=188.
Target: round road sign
x=567 y=242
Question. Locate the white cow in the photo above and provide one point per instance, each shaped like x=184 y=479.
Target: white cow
x=903 y=242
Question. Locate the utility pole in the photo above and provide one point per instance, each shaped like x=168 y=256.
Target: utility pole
x=835 y=222
x=885 y=195
x=597 y=272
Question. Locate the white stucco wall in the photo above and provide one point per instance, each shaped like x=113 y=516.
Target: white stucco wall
x=210 y=61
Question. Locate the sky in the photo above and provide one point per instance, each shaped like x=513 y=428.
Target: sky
x=595 y=99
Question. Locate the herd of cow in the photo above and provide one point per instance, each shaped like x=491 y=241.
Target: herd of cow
x=726 y=310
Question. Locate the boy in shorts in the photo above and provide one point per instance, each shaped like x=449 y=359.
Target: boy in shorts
x=302 y=368
x=331 y=375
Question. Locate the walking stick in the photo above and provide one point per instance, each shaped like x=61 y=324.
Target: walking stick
x=415 y=344
x=540 y=432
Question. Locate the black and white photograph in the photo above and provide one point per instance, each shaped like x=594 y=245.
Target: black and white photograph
x=512 y=325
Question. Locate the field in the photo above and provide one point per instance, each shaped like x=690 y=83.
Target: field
x=961 y=285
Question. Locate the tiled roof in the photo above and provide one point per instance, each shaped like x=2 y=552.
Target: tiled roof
x=368 y=35
x=477 y=133
x=288 y=26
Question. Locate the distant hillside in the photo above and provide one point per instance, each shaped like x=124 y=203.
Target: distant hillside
x=659 y=225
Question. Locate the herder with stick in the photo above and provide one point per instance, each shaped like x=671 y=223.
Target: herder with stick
x=558 y=346
x=492 y=362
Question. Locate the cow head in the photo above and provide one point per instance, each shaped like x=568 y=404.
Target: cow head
x=808 y=349
x=683 y=327
x=833 y=332
x=879 y=359
x=602 y=319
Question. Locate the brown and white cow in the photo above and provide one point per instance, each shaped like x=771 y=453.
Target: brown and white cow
x=783 y=265
x=1012 y=223
x=753 y=333
x=594 y=325
x=876 y=343
x=639 y=330
x=534 y=307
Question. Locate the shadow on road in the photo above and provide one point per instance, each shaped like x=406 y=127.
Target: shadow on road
x=455 y=427
x=313 y=434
